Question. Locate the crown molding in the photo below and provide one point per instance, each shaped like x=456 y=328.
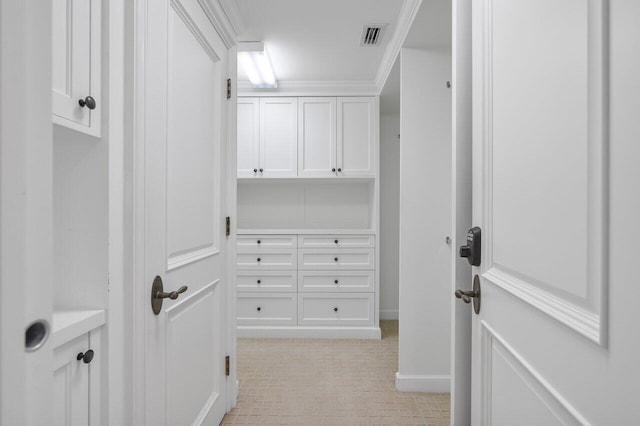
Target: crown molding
x=312 y=88
x=408 y=13
x=225 y=18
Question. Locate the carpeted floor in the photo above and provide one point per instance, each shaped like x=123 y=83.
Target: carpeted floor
x=328 y=382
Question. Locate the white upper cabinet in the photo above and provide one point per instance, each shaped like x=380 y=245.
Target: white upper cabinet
x=356 y=141
x=76 y=54
x=248 y=136
x=317 y=137
x=278 y=137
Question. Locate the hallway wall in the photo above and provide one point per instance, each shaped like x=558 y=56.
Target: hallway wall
x=425 y=220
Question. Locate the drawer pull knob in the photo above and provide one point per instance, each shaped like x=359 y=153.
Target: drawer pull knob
x=335 y=309
x=333 y=169
x=335 y=258
x=258 y=241
x=255 y=170
x=86 y=357
x=258 y=259
x=339 y=169
x=259 y=281
x=336 y=281
x=336 y=241
x=259 y=308
x=261 y=170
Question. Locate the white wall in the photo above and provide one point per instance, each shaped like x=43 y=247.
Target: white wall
x=389 y=214
x=425 y=220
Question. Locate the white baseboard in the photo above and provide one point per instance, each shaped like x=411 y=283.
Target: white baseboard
x=388 y=314
x=283 y=332
x=423 y=383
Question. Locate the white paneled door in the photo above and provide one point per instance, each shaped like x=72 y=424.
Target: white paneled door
x=554 y=341
x=185 y=64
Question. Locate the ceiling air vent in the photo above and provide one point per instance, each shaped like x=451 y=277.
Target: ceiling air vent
x=371 y=34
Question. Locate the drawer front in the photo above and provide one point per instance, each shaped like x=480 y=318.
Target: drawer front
x=336 y=241
x=255 y=243
x=268 y=281
x=335 y=281
x=268 y=260
x=335 y=309
x=266 y=309
x=310 y=259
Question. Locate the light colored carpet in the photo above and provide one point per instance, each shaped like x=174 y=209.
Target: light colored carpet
x=329 y=382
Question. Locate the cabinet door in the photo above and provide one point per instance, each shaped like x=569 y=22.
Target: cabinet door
x=316 y=137
x=75 y=39
x=357 y=136
x=71 y=383
x=248 y=136
x=278 y=137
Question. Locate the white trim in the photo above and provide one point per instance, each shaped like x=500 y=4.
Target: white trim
x=312 y=88
x=438 y=383
x=309 y=332
x=408 y=12
x=220 y=21
x=230 y=8
x=389 y=314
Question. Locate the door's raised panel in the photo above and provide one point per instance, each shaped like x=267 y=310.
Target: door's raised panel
x=190 y=324
x=310 y=259
x=271 y=260
x=356 y=136
x=335 y=309
x=317 y=137
x=71 y=383
x=269 y=281
x=266 y=309
x=336 y=281
x=248 y=141
x=192 y=151
x=266 y=242
x=279 y=137
x=336 y=241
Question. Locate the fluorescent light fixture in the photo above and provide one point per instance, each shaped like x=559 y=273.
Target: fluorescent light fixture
x=255 y=61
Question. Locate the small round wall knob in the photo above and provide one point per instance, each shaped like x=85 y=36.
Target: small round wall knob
x=88 y=102
x=336 y=241
x=86 y=357
x=258 y=241
x=259 y=308
x=259 y=281
x=335 y=259
x=258 y=259
x=336 y=281
x=335 y=309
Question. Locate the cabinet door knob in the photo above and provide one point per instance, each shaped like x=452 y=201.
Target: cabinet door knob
x=336 y=281
x=261 y=170
x=333 y=169
x=259 y=309
x=258 y=241
x=88 y=102
x=255 y=170
x=86 y=357
x=259 y=281
x=335 y=241
x=335 y=259
x=258 y=259
x=339 y=169
x=335 y=309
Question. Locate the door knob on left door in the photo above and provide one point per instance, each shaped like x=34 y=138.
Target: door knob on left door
x=474 y=294
x=158 y=294
x=88 y=102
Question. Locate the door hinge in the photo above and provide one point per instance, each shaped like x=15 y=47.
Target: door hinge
x=228 y=226
x=228 y=88
x=227 y=365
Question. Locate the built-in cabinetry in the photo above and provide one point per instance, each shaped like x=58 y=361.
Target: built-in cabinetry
x=77 y=375
x=76 y=38
x=307 y=238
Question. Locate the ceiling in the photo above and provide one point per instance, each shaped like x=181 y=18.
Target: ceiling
x=311 y=41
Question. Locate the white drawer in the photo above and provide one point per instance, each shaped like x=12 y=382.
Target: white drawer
x=335 y=281
x=282 y=281
x=266 y=309
x=269 y=260
x=255 y=243
x=335 y=309
x=333 y=241
x=311 y=259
